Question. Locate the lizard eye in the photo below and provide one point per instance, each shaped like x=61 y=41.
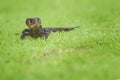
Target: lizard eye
x=38 y=19
x=31 y=21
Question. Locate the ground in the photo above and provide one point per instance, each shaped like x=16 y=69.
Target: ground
x=90 y=52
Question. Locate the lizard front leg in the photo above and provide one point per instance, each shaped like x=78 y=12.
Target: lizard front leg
x=25 y=32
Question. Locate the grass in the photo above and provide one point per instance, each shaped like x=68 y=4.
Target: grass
x=88 y=53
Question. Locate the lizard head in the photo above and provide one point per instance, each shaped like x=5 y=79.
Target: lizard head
x=33 y=23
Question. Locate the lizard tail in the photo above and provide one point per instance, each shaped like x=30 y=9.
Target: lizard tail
x=62 y=29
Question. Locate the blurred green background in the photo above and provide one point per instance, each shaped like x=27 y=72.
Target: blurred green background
x=88 y=53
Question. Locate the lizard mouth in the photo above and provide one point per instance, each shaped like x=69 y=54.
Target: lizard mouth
x=32 y=22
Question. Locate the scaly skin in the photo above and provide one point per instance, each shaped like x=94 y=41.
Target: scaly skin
x=36 y=30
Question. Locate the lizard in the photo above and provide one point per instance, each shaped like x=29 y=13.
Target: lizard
x=36 y=30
